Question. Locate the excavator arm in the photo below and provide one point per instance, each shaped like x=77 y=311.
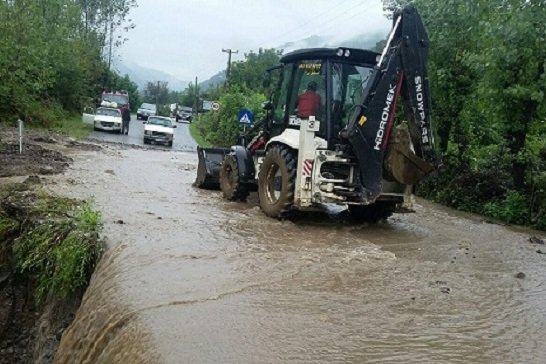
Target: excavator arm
x=401 y=73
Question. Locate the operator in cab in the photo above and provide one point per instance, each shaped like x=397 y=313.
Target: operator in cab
x=309 y=101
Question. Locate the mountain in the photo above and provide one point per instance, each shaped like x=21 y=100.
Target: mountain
x=217 y=79
x=142 y=75
x=365 y=41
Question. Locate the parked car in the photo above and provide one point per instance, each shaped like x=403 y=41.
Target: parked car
x=145 y=110
x=184 y=113
x=159 y=129
x=108 y=119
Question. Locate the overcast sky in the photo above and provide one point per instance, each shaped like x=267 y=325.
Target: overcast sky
x=185 y=37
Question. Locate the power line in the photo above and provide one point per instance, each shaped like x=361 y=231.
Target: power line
x=313 y=18
x=347 y=18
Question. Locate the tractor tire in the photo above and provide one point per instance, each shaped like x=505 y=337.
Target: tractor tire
x=373 y=213
x=230 y=183
x=277 y=181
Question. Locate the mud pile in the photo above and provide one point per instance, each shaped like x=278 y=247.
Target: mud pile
x=35 y=159
x=33 y=316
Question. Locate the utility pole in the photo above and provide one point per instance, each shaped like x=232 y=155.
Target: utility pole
x=229 y=51
x=196 y=108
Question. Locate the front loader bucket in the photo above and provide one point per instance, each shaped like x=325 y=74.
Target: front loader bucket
x=208 y=168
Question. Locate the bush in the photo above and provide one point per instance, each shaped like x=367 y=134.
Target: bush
x=513 y=208
x=221 y=128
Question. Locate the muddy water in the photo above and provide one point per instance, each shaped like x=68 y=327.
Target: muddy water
x=189 y=278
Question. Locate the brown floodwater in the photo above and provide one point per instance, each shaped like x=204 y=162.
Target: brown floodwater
x=191 y=278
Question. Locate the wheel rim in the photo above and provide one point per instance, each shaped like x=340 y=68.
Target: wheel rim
x=274 y=184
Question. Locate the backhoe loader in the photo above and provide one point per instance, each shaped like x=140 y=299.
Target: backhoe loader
x=353 y=151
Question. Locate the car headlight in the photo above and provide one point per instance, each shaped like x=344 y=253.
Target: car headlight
x=147 y=132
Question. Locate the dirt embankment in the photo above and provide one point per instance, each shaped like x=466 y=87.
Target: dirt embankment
x=34 y=314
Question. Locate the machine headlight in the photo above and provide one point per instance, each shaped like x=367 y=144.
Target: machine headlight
x=339 y=52
x=347 y=53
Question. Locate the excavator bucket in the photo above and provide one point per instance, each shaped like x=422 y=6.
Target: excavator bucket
x=208 y=167
x=401 y=162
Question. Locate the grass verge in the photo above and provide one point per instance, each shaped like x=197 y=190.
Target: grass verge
x=197 y=133
x=73 y=127
x=51 y=241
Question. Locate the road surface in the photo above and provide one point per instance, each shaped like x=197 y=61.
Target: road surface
x=182 y=137
x=191 y=278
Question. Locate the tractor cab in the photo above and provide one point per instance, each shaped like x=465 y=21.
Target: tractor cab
x=339 y=76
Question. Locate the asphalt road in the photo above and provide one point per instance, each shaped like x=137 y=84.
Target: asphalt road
x=182 y=138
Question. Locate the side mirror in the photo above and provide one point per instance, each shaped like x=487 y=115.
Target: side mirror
x=174 y=126
x=267 y=105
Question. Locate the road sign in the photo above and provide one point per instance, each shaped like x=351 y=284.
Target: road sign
x=207 y=105
x=246 y=117
x=215 y=106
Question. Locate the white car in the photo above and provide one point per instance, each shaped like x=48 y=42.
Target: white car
x=159 y=129
x=107 y=118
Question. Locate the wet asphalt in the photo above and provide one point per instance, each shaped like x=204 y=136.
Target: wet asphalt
x=182 y=138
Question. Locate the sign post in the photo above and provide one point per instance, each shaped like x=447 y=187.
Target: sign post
x=246 y=118
x=20 y=127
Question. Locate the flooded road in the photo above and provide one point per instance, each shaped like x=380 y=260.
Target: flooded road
x=190 y=278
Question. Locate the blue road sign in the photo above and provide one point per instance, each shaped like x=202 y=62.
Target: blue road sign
x=246 y=117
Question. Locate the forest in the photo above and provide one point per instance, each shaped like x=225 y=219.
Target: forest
x=56 y=56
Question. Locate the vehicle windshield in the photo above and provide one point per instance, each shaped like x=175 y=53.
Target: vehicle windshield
x=148 y=106
x=108 y=112
x=348 y=84
x=186 y=109
x=118 y=99
x=160 y=121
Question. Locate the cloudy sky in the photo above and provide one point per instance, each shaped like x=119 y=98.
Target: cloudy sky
x=185 y=37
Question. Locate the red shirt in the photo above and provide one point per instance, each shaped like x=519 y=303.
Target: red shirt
x=308 y=104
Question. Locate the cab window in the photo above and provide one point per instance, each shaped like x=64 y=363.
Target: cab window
x=308 y=91
x=348 y=83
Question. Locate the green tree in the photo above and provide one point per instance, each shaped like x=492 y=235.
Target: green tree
x=222 y=128
x=191 y=96
x=51 y=54
x=250 y=72
x=157 y=92
x=488 y=81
